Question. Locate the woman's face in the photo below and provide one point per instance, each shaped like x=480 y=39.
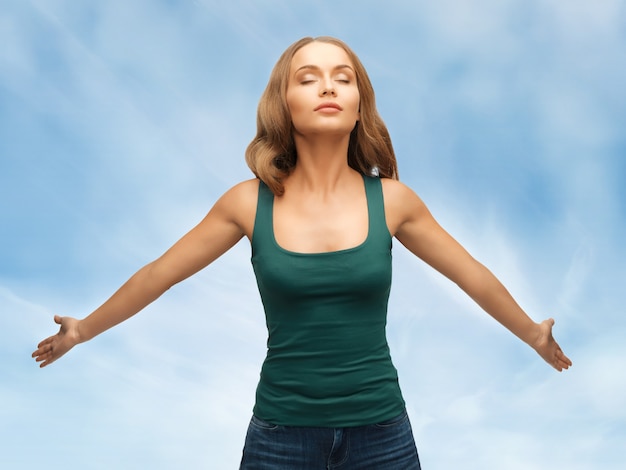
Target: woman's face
x=322 y=92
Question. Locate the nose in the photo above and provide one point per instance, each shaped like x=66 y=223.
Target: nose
x=327 y=89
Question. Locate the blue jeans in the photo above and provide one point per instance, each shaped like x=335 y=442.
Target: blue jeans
x=383 y=446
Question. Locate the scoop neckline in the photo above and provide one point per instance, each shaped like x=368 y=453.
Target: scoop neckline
x=325 y=253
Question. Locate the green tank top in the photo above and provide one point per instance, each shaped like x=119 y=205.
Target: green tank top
x=328 y=361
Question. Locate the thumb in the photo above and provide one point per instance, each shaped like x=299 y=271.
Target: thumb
x=550 y=322
x=57 y=319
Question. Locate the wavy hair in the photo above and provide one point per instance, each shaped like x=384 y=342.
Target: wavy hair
x=272 y=153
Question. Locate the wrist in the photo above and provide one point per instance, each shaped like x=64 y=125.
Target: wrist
x=81 y=334
x=532 y=334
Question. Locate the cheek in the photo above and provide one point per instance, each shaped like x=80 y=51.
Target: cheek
x=355 y=99
x=357 y=106
x=296 y=111
x=294 y=102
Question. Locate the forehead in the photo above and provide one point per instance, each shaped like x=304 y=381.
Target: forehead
x=320 y=54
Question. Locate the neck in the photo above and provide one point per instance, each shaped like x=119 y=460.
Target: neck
x=322 y=163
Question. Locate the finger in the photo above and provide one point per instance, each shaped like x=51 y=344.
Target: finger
x=560 y=366
x=562 y=361
x=48 y=358
x=566 y=360
x=42 y=356
x=45 y=342
x=58 y=320
x=562 y=357
x=44 y=347
x=45 y=363
x=41 y=351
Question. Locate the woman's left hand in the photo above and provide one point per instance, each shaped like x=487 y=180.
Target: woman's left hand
x=548 y=348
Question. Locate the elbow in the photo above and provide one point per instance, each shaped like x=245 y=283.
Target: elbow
x=154 y=279
x=479 y=283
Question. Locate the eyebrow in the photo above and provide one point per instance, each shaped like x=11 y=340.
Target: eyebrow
x=315 y=67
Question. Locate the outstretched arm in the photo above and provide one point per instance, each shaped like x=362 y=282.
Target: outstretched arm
x=413 y=225
x=225 y=224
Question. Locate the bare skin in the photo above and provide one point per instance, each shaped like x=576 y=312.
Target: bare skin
x=323 y=209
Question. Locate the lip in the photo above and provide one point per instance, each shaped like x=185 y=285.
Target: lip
x=328 y=105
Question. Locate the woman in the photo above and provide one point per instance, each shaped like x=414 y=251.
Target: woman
x=320 y=225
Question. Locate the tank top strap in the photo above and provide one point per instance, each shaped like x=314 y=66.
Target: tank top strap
x=376 y=208
x=263 y=223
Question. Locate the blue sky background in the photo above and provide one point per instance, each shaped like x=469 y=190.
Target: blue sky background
x=122 y=122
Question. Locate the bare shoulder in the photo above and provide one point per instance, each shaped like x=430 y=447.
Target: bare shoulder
x=402 y=204
x=243 y=192
x=238 y=204
x=394 y=189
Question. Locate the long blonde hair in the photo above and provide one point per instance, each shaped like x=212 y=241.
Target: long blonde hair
x=272 y=153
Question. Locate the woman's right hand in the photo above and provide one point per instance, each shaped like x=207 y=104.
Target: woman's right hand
x=52 y=348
